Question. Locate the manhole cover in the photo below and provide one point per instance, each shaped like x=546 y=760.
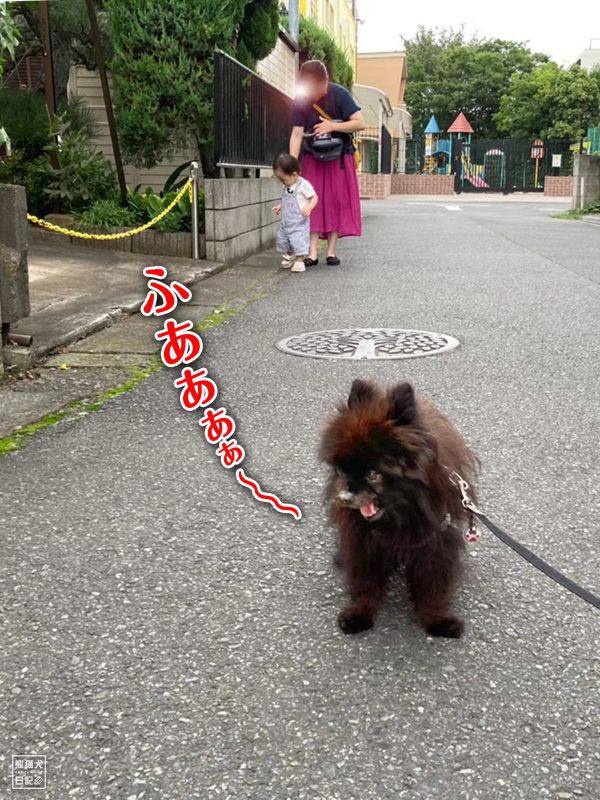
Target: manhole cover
x=378 y=343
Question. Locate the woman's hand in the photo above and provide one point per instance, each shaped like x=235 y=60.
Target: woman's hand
x=325 y=126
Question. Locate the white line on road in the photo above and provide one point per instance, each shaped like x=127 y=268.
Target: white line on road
x=453 y=208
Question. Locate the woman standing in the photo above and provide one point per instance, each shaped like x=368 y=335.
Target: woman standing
x=335 y=182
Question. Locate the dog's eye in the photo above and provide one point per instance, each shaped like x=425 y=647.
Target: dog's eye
x=372 y=476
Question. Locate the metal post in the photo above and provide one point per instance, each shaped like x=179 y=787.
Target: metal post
x=107 y=100
x=380 y=154
x=195 y=234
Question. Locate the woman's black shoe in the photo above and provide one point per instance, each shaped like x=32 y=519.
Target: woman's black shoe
x=333 y=261
x=311 y=262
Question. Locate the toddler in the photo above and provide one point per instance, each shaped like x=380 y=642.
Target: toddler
x=299 y=199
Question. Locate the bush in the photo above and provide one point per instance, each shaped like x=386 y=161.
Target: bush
x=83 y=176
x=148 y=205
x=107 y=214
x=33 y=175
x=316 y=43
x=24 y=116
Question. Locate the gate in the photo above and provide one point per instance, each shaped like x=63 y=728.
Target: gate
x=386 y=151
x=492 y=165
x=507 y=165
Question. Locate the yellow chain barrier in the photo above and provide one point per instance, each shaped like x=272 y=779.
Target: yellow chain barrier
x=124 y=234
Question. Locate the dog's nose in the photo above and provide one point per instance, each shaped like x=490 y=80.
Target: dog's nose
x=345 y=497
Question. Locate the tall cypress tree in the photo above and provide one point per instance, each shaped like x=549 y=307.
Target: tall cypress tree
x=163 y=68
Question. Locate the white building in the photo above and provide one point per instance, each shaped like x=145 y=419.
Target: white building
x=590 y=58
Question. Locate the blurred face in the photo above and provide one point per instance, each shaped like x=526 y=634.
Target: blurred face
x=314 y=88
x=287 y=180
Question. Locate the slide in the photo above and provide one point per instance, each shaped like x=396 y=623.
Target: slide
x=477 y=181
x=468 y=172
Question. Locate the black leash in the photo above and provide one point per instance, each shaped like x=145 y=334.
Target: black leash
x=539 y=563
x=557 y=576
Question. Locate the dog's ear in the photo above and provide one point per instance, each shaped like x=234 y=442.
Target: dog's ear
x=403 y=404
x=361 y=392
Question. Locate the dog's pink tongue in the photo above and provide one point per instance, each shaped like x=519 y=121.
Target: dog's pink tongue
x=369 y=509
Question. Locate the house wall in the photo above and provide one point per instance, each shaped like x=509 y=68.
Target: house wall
x=279 y=67
x=336 y=17
x=384 y=71
x=86 y=84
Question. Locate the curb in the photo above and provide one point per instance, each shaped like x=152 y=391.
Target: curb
x=87 y=324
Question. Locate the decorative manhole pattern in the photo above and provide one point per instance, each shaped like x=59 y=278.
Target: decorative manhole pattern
x=377 y=343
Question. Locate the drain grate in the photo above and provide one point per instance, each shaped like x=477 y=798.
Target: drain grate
x=375 y=343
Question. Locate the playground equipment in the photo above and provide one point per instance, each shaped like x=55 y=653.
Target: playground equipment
x=498 y=165
x=437 y=150
x=432 y=135
x=461 y=128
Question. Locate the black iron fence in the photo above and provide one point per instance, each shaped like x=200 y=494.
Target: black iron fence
x=252 y=118
x=497 y=165
x=370 y=141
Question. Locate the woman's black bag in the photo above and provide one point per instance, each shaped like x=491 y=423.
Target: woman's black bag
x=324 y=148
x=329 y=146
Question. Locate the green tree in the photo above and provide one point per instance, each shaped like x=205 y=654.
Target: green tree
x=164 y=65
x=316 y=43
x=71 y=37
x=448 y=73
x=9 y=35
x=551 y=103
x=258 y=31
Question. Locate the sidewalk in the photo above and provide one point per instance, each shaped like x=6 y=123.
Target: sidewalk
x=76 y=291
x=77 y=294
x=479 y=197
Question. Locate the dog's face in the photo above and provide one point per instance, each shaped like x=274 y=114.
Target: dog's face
x=379 y=454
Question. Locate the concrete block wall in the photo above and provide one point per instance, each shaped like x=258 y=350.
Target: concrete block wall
x=422 y=184
x=239 y=217
x=374 y=187
x=558 y=185
x=586 y=180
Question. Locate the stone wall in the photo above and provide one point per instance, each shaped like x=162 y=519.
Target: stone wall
x=239 y=217
x=422 y=184
x=374 y=187
x=586 y=180
x=558 y=185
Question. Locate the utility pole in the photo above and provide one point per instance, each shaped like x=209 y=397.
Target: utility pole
x=107 y=99
x=294 y=18
x=48 y=65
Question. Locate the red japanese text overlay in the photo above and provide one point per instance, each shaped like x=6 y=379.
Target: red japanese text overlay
x=182 y=345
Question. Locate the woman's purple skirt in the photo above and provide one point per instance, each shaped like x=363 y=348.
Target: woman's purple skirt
x=338 y=208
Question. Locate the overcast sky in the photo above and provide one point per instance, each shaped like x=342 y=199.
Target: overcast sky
x=561 y=31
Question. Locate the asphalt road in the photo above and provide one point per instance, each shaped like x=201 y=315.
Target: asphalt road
x=164 y=635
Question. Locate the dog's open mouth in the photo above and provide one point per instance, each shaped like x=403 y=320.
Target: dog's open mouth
x=371 y=511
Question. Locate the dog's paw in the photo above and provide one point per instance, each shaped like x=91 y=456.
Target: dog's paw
x=449 y=628
x=351 y=622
